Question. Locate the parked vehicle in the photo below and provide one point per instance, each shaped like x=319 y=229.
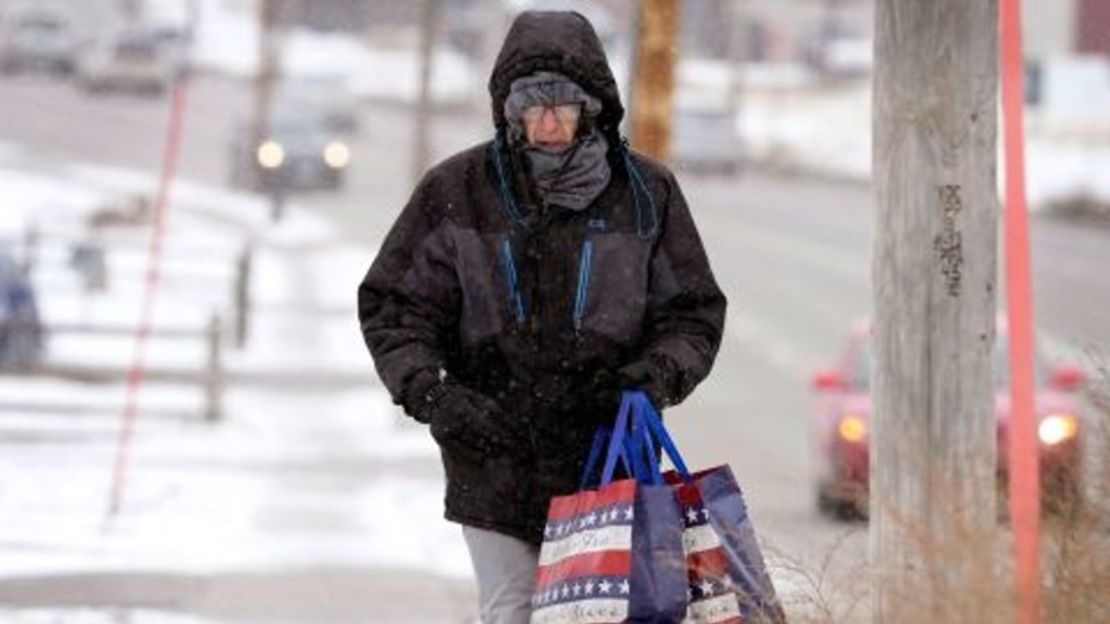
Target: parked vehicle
x=21 y=331
x=841 y=422
x=299 y=152
x=135 y=61
x=38 y=41
x=706 y=138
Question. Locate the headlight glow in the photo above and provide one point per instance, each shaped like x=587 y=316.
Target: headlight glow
x=337 y=155
x=1057 y=428
x=271 y=155
x=852 y=428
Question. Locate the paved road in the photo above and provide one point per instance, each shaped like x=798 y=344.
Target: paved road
x=791 y=253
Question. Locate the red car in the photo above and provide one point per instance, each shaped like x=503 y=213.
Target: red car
x=840 y=427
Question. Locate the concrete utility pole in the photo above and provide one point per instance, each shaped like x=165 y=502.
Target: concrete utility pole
x=934 y=272
x=429 y=24
x=653 y=81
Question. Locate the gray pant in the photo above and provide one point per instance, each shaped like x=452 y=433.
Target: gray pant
x=506 y=571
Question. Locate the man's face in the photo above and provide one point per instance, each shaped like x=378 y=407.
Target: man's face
x=551 y=127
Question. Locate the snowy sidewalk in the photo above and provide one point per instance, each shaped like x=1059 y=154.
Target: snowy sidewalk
x=309 y=502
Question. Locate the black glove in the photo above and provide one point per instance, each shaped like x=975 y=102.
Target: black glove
x=467 y=421
x=656 y=376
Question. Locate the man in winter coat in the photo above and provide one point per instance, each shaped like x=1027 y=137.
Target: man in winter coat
x=528 y=281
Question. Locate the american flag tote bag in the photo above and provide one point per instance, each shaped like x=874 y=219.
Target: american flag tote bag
x=728 y=580
x=612 y=554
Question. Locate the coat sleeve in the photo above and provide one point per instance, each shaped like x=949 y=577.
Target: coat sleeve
x=408 y=303
x=685 y=307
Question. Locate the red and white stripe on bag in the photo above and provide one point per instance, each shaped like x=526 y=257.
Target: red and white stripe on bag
x=713 y=598
x=585 y=560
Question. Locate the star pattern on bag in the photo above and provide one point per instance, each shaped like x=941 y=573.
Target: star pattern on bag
x=585 y=589
x=622 y=514
x=695 y=515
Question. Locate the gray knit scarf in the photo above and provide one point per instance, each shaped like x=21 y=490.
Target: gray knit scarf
x=573 y=177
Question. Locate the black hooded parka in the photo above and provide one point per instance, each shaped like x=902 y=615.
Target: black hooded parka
x=528 y=303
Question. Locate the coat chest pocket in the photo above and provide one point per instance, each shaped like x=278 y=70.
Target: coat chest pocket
x=481 y=269
x=611 y=298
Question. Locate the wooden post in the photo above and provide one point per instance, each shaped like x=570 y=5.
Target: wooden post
x=213 y=379
x=267 y=71
x=933 y=274
x=653 y=81
x=429 y=23
x=242 y=296
x=32 y=237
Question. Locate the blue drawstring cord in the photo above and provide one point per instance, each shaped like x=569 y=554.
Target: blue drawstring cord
x=638 y=181
x=507 y=199
x=516 y=301
x=583 y=282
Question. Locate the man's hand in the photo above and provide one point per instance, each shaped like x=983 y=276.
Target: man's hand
x=465 y=420
x=653 y=375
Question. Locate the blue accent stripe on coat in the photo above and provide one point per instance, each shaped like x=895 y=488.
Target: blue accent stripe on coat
x=583 y=293
x=508 y=264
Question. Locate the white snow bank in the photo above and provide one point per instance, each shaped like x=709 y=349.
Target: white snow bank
x=227 y=41
x=828 y=130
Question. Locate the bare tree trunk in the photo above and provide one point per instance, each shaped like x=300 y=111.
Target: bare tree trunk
x=267 y=72
x=934 y=272
x=653 y=82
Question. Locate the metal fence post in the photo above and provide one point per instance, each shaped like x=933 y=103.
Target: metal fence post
x=241 y=296
x=213 y=379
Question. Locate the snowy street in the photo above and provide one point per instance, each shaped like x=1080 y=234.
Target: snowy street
x=274 y=482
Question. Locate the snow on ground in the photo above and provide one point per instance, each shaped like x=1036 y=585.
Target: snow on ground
x=299 y=477
x=828 y=130
x=227 y=42
x=253 y=494
x=296 y=265
x=97 y=616
x=825 y=131
x=1061 y=170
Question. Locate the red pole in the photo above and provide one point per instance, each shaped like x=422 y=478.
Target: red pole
x=1025 y=510
x=170 y=153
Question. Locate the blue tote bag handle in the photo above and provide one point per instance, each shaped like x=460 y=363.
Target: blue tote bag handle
x=641 y=448
x=648 y=429
x=601 y=442
x=617 y=441
x=613 y=442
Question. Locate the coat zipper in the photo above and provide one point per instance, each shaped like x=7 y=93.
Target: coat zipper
x=516 y=302
x=580 y=298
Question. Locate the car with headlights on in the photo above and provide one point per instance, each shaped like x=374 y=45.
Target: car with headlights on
x=841 y=423
x=296 y=152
